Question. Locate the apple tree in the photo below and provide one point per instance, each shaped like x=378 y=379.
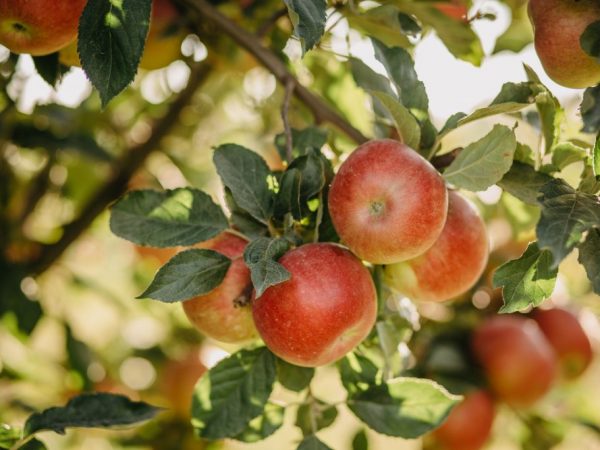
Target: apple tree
x=267 y=180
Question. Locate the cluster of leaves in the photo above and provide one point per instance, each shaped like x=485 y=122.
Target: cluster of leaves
x=100 y=410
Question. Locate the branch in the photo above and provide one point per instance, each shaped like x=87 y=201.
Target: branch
x=289 y=90
x=117 y=184
x=251 y=43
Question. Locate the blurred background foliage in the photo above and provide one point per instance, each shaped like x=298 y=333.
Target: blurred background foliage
x=76 y=325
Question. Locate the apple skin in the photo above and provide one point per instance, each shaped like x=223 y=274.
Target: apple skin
x=387 y=203
x=325 y=309
x=163 y=44
x=39 y=27
x=567 y=338
x=178 y=379
x=469 y=425
x=558 y=26
x=224 y=314
x=517 y=359
x=453 y=264
x=455 y=10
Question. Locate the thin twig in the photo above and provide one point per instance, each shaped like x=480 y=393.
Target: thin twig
x=124 y=169
x=285 y=109
x=38 y=188
x=248 y=41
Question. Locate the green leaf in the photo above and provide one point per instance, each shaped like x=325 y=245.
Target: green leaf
x=188 y=274
x=302 y=141
x=97 y=410
x=243 y=221
x=550 y=111
x=308 y=18
x=566 y=215
x=111 y=41
x=233 y=393
x=49 y=68
x=292 y=377
x=519 y=33
x=590 y=110
x=288 y=197
x=264 y=425
x=385 y=23
x=261 y=257
x=526 y=281
x=590 y=40
x=8 y=436
x=406 y=124
x=183 y=216
x=589 y=257
x=457 y=36
x=314 y=416
x=33 y=444
x=523 y=93
x=405 y=407
x=358 y=373
x=524 y=182
x=567 y=153
x=82 y=142
x=483 y=163
x=400 y=68
x=24 y=312
x=246 y=175
x=360 y=441
x=312 y=442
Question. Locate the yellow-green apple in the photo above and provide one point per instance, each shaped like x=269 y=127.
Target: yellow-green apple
x=452 y=265
x=39 y=27
x=469 y=425
x=224 y=314
x=387 y=203
x=163 y=44
x=516 y=357
x=567 y=337
x=323 y=311
x=558 y=26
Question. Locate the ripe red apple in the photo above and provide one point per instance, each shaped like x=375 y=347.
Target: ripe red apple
x=39 y=27
x=558 y=26
x=469 y=425
x=323 y=311
x=387 y=203
x=518 y=360
x=177 y=380
x=224 y=314
x=163 y=44
x=453 y=264
x=567 y=337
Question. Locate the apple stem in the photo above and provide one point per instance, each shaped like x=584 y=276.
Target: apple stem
x=319 y=218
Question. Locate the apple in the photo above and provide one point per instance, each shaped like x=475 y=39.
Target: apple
x=558 y=26
x=39 y=27
x=469 y=425
x=567 y=338
x=163 y=44
x=387 y=203
x=455 y=10
x=178 y=379
x=224 y=314
x=453 y=264
x=323 y=311
x=517 y=359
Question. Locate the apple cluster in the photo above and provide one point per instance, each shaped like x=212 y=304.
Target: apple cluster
x=390 y=207
x=521 y=358
x=42 y=27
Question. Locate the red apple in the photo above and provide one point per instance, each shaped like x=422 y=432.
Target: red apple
x=224 y=314
x=469 y=425
x=567 y=337
x=177 y=380
x=454 y=263
x=455 y=10
x=39 y=27
x=323 y=311
x=387 y=203
x=518 y=360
